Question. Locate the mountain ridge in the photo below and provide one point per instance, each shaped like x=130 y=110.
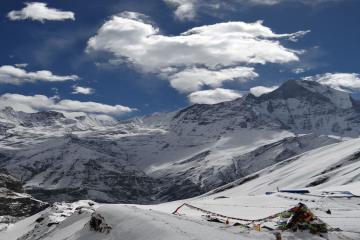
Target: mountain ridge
x=180 y=154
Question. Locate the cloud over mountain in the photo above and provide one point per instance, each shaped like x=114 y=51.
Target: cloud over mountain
x=340 y=81
x=260 y=90
x=213 y=96
x=40 y=103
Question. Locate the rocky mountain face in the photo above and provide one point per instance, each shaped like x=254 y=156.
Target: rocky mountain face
x=14 y=203
x=68 y=168
x=169 y=156
x=299 y=106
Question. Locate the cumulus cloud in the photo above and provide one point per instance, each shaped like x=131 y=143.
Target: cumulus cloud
x=16 y=75
x=140 y=43
x=213 y=96
x=260 y=90
x=82 y=90
x=194 y=79
x=41 y=103
x=341 y=81
x=189 y=9
x=39 y=11
x=209 y=55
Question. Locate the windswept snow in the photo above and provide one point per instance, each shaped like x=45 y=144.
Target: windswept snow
x=330 y=166
x=138 y=222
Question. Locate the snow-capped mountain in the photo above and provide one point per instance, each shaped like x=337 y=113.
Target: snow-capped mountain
x=176 y=155
x=299 y=106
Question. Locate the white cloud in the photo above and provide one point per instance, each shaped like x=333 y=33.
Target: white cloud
x=184 y=9
x=90 y=107
x=260 y=90
x=40 y=103
x=140 y=43
x=260 y=2
x=189 y=9
x=21 y=65
x=340 y=81
x=213 y=96
x=299 y=70
x=194 y=79
x=15 y=75
x=197 y=53
x=275 y=2
x=25 y=103
x=82 y=90
x=39 y=11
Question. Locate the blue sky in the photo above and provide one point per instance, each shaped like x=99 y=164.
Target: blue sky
x=157 y=73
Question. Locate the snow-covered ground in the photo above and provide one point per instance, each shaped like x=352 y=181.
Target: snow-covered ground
x=330 y=166
x=245 y=199
x=140 y=222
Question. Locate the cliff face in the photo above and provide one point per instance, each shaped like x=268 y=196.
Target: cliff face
x=13 y=201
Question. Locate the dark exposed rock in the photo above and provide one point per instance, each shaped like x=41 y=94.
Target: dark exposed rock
x=52 y=224
x=39 y=220
x=97 y=223
x=9 y=182
x=318 y=181
x=15 y=203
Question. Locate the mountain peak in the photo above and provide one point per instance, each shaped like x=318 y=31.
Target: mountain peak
x=312 y=91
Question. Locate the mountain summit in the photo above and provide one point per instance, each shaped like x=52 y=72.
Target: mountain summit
x=311 y=91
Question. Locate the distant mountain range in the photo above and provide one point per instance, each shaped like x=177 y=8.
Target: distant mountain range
x=169 y=156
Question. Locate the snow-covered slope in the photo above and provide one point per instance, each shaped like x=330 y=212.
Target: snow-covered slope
x=113 y=222
x=45 y=222
x=87 y=221
x=175 y=155
x=330 y=174
x=325 y=167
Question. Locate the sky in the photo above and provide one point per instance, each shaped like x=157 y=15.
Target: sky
x=125 y=58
